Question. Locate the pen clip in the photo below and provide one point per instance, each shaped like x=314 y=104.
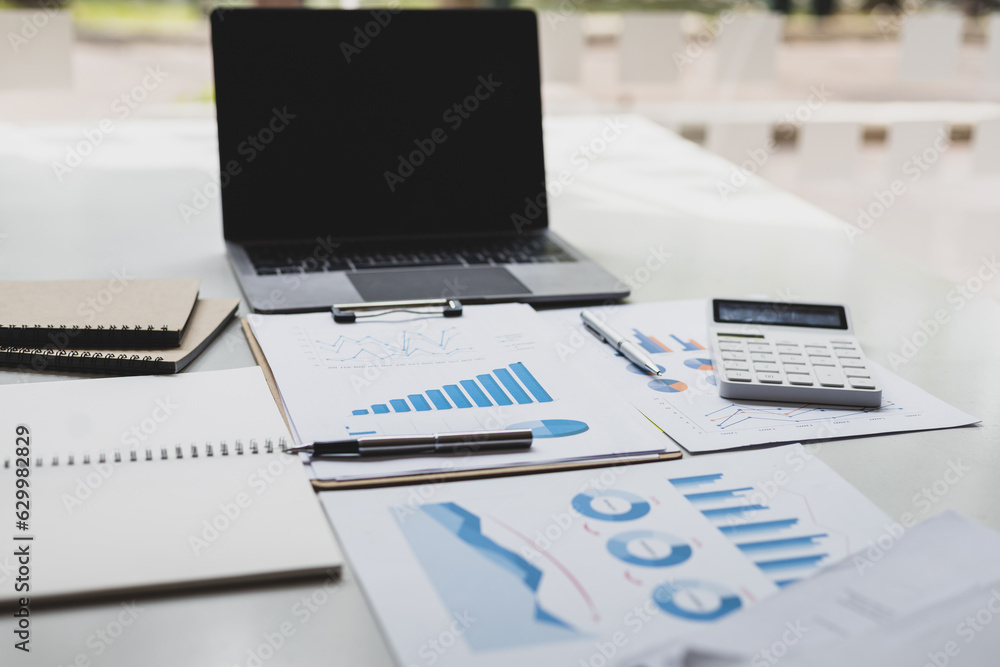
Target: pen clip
x=589 y=327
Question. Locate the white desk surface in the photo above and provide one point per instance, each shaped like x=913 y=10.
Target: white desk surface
x=646 y=189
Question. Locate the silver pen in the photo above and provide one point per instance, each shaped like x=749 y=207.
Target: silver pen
x=629 y=350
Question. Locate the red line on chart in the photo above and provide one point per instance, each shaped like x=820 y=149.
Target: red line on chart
x=569 y=575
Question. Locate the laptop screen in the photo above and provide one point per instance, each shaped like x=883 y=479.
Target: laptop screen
x=374 y=123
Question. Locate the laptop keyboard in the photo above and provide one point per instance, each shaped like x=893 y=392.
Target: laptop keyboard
x=350 y=256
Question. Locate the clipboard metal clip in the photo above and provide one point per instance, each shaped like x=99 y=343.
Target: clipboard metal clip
x=352 y=312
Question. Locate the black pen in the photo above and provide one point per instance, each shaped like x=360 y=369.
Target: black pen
x=408 y=445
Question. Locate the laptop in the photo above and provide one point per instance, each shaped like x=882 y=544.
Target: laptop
x=388 y=155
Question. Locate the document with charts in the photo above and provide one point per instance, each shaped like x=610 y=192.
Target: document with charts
x=404 y=373
x=587 y=566
x=686 y=403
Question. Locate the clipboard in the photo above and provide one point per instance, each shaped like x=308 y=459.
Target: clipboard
x=435 y=477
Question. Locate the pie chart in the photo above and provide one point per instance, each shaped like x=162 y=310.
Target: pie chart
x=667 y=386
x=610 y=505
x=649 y=548
x=695 y=600
x=552 y=428
x=699 y=364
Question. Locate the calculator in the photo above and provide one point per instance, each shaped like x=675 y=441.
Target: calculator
x=789 y=352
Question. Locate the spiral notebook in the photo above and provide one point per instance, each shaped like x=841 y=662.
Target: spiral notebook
x=208 y=318
x=161 y=483
x=118 y=313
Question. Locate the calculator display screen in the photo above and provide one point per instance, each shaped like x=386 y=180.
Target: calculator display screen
x=784 y=314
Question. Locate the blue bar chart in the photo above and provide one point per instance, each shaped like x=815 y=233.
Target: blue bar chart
x=501 y=386
x=783 y=547
x=655 y=346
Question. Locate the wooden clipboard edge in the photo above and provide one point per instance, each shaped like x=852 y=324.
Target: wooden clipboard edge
x=258 y=355
x=457 y=475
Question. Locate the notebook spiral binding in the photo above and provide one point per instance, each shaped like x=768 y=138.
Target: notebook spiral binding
x=51 y=338
x=60 y=359
x=162 y=453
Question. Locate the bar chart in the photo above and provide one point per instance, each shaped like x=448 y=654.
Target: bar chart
x=501 y=386
x=785 y=548
x=655 y=346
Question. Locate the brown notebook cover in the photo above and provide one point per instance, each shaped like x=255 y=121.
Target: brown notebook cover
x=208 y=318
x=113 y=314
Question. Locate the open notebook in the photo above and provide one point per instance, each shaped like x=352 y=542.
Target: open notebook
x=153 y=483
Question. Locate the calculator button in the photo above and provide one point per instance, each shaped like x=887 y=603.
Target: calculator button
x=847 y=354
x=852 y=363
x=731 y=347
x=822 y=361
x=829 y=377
x=791 y=358
x=766 y=367
x=759 y=347
x=817 y=350
x=857 y=373
x=769 y=378
x=838 y=341
x=738 y=376
x=804 y=379
x=789 y=349
x=862 y=383
x=796 y=368
x=736 y=366
x=734 y=356
x=769 y=358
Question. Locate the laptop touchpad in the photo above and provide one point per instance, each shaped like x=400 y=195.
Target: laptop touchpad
x=454 y=283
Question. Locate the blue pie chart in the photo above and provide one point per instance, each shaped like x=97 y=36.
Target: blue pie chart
x=695 y=600
x=649 y=548
x=553 y=428
x=699 y=364
x=667 y=386
x=610 y=505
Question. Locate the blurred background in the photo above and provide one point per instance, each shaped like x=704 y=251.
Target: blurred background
x=884 y=113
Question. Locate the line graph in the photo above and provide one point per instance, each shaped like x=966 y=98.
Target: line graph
x=407 y=345
x=753 y=416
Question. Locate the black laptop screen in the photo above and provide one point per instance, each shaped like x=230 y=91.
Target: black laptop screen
x=376 y=123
